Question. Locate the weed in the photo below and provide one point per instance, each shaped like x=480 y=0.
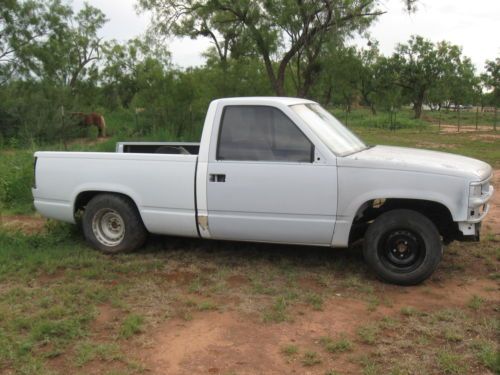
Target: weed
x=475 y=302
x=368 y=334
x=336 y=346
x=389 y=322
x=277 y=312
x=451 y=363
x=409 y=311
x=196 y=285
x=373 y=303
x=370 y=367
x=88 y=351
x=310 y=359
x=207 y=305
x=289 y=350
x=453 y=335
x=315 y=300
x=132 y=325
x=488 y=355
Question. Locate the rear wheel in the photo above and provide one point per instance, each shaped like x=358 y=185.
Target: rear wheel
x=403 y=247
x=112 y=224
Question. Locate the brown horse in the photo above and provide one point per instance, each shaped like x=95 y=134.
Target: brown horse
x=91 y=119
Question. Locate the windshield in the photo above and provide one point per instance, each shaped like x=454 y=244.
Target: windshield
x=336 y=136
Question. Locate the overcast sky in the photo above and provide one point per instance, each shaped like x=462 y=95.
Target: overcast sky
x=473 y=25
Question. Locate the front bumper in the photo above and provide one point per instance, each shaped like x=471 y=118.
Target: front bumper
x=469 y=232
x=478 y=209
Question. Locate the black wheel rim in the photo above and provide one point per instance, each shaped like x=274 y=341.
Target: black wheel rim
x=402 y=250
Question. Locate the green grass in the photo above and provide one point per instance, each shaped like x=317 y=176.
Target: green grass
x=16 y=180
x=404 y=118
x=409 y=311
x=467 y=144
x=207 y=306
x=87 y=351
x=475 y=302
x=311 y=358
x=315 y=300
x=368 y=334
x=487 y=353
x=363 y=118
x=451 y=363
x=52 y=287
x=277 y=312
x=340 y=345
x=132 y=325
x=290 y=350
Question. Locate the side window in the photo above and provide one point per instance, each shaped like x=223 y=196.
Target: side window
x=261 y=133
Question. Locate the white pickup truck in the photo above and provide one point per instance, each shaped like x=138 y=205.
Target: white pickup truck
x=279 y=170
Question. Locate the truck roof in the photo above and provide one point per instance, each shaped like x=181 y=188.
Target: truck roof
x=263 y=100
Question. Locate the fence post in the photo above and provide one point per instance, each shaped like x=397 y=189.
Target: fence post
x=439 y=123
x=458 y=122
x=495 y=120
x=477 y=114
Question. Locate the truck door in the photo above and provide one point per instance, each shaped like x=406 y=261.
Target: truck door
x=263 y=183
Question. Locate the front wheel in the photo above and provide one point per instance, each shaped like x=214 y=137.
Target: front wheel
x=403 y=247
x=112 y=224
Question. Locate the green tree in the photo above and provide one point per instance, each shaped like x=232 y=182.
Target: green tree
x=423 y=66
x=341 y=76
x=72 y=50
x=491 y=79
x=23 y=26
x=122 y=64
x=280 y=31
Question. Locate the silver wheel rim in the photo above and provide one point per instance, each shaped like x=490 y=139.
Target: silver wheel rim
x=108 y=227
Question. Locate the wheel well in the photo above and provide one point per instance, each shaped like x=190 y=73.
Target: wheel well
x=84 y=198
x=438 y=213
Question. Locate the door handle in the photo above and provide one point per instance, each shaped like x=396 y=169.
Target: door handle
x=217 y=177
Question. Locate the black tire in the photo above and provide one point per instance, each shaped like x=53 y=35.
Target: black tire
x=403 y=247
x=112 y=224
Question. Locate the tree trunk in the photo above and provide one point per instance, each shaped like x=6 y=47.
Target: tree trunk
x=418 y=104
x=328 y=95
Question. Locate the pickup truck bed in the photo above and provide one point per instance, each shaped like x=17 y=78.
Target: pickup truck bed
x=186 y=148
x=165 y=198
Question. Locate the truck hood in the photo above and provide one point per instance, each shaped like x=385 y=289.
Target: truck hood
x=425 y=161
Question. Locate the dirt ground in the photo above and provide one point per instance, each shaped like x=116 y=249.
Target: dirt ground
x=453 y=128
x=229 y=342
x=24 y=223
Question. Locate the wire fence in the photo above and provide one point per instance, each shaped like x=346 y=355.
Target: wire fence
x=444 y=120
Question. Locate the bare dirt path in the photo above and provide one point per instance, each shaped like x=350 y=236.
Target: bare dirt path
x=453 y=128
x=28 y=224
x=231 y=342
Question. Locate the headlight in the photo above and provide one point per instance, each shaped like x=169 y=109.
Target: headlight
x=476 y=190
